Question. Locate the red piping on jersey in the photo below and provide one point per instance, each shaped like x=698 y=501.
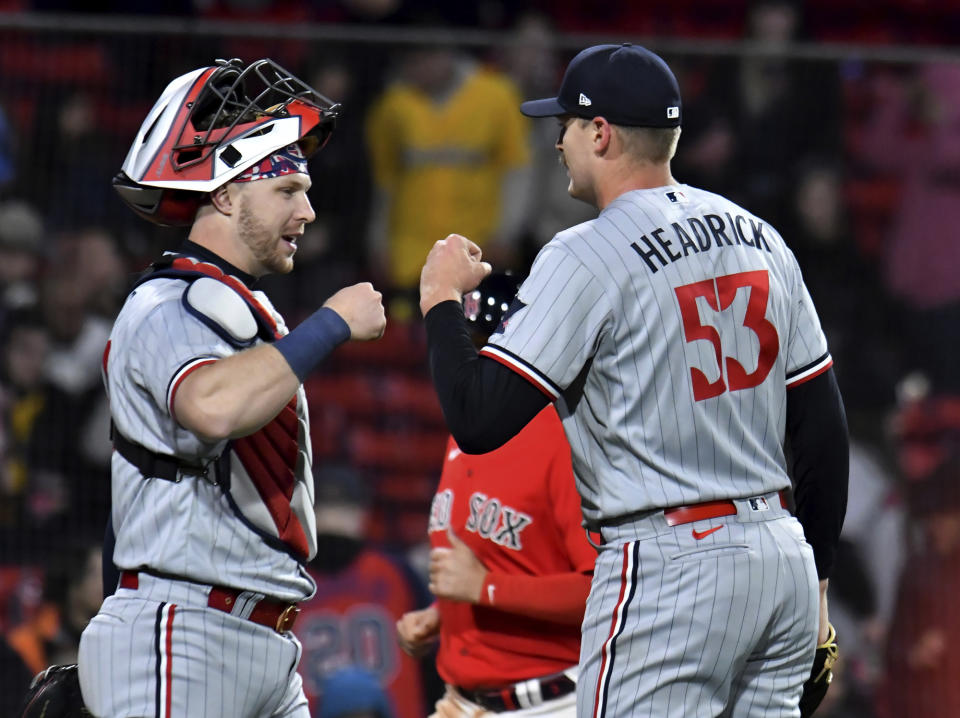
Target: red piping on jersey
x=106 y=356
x=184 y=375
x=804 y=380
x=516 y=370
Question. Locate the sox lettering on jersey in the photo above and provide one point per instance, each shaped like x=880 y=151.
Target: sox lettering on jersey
x=500 y=524
x=440 y=511
x=489 y=518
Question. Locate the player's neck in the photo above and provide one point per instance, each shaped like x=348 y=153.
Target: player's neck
x=627 y=177
x=212 y=231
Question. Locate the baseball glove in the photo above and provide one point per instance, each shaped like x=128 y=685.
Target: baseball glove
x=55 y=693
x=821 y=674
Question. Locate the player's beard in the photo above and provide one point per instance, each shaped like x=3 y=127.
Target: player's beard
x=268 y=249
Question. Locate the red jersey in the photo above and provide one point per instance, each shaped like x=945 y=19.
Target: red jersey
x=352 y=620
x=518 y=510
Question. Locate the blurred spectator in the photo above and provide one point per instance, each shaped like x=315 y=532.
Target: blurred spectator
x=864 y=584
x=450 y=153
x=79 y=163
x=844 y=284
x=758 y=116
x=77 y=296
x=23 y=397
x=51 y=633
x=341 y=179
x=914 y=136
x=361 y=593
x=353 y=692
x=21 y=252
x=921 y=663
x=94 y=255
x=534 y=64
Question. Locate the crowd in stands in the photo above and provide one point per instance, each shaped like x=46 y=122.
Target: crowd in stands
x=857 y=164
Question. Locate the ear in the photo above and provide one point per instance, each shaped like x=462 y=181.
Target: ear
x=223 y=199
x=602 y=131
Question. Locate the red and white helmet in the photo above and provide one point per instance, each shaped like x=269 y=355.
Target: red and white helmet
x=212 y=124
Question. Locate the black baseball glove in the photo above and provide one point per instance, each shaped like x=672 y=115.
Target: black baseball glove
x=55 y=693
x=821 y=674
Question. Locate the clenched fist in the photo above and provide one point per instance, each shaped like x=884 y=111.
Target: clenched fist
x=361 y=307
x=417 y=631
x=453 y=266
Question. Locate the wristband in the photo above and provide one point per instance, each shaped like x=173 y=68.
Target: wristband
x=310 y=343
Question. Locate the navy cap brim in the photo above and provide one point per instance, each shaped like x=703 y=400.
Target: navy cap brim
x=547 y=107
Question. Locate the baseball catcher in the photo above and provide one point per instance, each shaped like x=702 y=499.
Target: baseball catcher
x=211 y=475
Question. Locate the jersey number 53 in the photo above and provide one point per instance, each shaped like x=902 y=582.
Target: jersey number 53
x=719 y=294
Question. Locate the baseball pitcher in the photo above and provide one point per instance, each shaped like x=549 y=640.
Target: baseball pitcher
x=676 y=338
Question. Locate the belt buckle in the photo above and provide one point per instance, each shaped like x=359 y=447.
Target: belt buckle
x=286 y=619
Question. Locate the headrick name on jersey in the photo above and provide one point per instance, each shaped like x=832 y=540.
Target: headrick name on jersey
x=701 y=235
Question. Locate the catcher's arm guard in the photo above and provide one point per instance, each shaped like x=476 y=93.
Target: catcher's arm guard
x=55 y=693
x=815 y=687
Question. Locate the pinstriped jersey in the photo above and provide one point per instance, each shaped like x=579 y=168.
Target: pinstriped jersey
x=192 y=528
x=667 y=330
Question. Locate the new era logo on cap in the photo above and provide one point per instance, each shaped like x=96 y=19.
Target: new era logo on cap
x=584 y=100
x=672 y=112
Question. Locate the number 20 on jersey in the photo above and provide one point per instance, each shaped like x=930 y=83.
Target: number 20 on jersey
x=719 y=294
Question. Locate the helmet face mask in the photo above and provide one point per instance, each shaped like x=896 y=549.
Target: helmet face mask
x=210 y=125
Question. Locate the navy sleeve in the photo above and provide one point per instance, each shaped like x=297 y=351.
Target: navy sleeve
x=484 y=403
x=819 y=450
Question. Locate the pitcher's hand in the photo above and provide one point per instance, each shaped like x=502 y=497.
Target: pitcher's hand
x=453 y=266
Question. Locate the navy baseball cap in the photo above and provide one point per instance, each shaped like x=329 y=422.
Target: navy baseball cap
x=627 y=84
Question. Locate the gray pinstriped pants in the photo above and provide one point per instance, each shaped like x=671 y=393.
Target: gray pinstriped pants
x=159 y=651
x=681 y=627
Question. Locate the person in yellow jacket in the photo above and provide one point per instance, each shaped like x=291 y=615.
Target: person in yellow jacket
x=447 y=149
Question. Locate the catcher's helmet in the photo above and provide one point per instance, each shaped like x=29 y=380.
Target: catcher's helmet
x=484 y=306
x=212 y=124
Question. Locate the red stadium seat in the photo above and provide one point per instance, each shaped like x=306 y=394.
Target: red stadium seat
x=81 y=65
x=393 y=450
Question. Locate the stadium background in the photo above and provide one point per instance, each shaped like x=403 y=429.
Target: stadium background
x=842 y=128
